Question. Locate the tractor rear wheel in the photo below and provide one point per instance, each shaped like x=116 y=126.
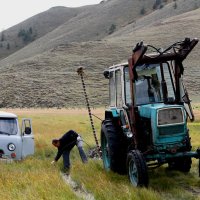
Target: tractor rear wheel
x=113 y=150
x=137 y=169
x=105 y=152
x=181 y=164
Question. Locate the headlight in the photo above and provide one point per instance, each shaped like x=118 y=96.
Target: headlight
x=11 y=147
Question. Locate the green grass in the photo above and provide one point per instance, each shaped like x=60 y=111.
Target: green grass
x=32 y=179
x=35 y=178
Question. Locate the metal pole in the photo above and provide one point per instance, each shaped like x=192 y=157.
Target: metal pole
x=80 y=72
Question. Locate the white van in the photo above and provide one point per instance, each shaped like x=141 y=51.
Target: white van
x=15 y=143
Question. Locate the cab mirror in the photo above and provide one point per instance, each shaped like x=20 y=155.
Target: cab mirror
x=106 y=74
x=27 y=130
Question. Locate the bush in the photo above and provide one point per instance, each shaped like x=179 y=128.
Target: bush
x=26 y=35
x=8 y=46
x=112 y=29
x=156 y=4
x=175 y=5
x=2 y=37
x=142 y=11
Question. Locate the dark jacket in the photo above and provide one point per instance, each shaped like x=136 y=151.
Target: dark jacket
x=67 y=142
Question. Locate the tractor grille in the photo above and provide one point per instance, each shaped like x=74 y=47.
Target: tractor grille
x=170 y=116
x=170 y=130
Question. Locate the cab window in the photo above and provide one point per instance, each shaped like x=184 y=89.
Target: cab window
x=112 y=89
x=148 y=85
x=127 y=86
x=118 y=88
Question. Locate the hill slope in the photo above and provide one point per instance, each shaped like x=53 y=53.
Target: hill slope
x=34 y=28
x=49 y=79
x=169 y=10
x=91 y=23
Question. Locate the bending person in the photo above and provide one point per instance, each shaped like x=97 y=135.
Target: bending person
x=65 y=144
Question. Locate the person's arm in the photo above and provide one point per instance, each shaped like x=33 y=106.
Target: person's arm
x=59 y=154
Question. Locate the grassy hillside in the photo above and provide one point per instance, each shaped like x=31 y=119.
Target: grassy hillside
x=44 y=74
x=35 y=178
x=91 y=23
x=33 y=28
x=171 y=9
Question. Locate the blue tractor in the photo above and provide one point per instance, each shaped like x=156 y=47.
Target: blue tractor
x=145 y=125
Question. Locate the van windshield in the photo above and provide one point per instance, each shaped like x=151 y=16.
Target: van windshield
x=8 y=126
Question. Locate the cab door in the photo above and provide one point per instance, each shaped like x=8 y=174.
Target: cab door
x=27 y=138
x=186 y=101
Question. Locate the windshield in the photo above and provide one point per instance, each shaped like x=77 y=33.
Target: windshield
x=8 y=126
x=152 y=78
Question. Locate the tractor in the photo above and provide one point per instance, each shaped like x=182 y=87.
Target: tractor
x=145 y=125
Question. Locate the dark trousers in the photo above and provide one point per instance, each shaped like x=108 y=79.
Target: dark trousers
x=66 y=157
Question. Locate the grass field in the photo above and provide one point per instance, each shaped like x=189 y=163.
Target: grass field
x=35 y=178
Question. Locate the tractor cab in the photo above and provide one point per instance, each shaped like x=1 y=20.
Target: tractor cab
x=146 y=123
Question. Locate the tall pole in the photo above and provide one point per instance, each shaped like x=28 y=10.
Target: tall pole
x=80 y=72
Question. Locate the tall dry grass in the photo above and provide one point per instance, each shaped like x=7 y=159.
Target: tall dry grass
x=34 y=177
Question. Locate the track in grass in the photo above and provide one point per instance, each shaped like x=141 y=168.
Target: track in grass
x=79 y=190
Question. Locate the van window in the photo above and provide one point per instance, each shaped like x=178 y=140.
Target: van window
x=8 y=126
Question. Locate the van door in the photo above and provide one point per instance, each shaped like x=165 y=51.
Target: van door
x=27 y=138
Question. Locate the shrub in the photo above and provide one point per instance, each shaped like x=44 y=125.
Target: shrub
x=26 y=35
x=175 y=5
x=142 y=11
x=156 y=4
x=8 y=46
x=112 y=29
x=2 y=37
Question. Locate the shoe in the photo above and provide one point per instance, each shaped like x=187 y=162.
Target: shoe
x=66 y=171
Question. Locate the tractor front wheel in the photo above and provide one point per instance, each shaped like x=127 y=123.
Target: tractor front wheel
x=137 y=169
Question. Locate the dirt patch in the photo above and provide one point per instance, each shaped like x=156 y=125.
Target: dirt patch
x=79 y=190
x=76 y=111
x=194 y=190
x=5 y=160
x=197 y=114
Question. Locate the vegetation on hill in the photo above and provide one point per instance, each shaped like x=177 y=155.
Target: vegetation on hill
x=43 y=72
x=41 y=24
